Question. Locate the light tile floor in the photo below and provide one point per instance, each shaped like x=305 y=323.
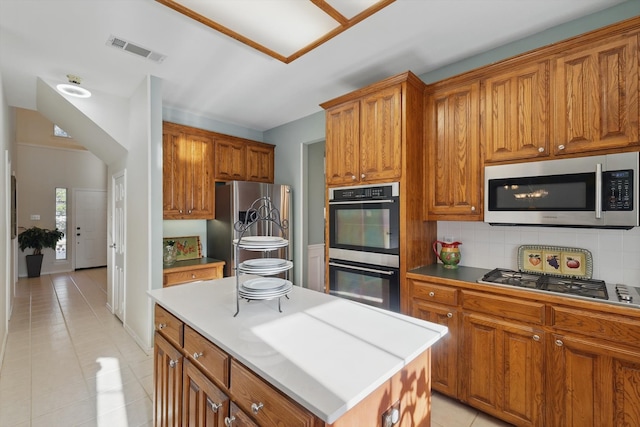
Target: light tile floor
x=69 y=362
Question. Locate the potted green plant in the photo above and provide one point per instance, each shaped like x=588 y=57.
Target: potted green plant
x=37 y=238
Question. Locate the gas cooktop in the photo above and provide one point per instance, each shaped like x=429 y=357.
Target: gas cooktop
x=580 y=287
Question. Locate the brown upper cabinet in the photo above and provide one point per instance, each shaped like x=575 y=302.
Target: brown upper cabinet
x=231 y=159
x=569 y=99
x=597 y=96
x=240 y=159
x=260 y=162
x=453 y=176
x=187 y=187
x=193 y=159
x=364 y=138
x=517 y=113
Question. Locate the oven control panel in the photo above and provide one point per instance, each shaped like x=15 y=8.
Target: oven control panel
x=364 y=192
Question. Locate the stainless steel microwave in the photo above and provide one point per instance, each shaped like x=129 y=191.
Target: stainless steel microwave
x=595 y=191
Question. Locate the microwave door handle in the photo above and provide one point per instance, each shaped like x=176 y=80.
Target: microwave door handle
x=370 y=270
x=598 y=190
x=359 y=202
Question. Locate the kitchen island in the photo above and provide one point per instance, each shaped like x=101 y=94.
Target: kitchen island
x=332 y=361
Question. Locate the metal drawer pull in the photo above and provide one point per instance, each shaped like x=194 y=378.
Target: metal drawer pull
x=432 y=294
x=197 y=355
x=173 y=363
x=559 y=343
x=255 y=407
x=214 y=406
x=162 y=325
x=229 y=420
x=536 y=337
x=449 y=315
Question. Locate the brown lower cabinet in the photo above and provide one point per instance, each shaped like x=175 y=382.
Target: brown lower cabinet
x=196 y=384
x=533 y=359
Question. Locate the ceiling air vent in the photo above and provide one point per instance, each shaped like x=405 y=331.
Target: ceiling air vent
x=122 y=44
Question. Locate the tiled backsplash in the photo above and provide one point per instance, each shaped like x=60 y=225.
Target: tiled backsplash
x=616 y=253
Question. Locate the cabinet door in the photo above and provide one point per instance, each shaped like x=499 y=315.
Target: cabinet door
x=230 y=160
x=381 y=135
x=444 y=354
x=260 y=163
x=203 y=404
x=592 y=384
x=517 y=113
x=343 y=142
x=503 y=372
x=167 y=376
x=597 y=97
x=173 y=174
x=199 y=181
x=453 y=184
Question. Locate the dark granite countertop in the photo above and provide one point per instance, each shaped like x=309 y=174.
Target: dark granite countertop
x=465 y=274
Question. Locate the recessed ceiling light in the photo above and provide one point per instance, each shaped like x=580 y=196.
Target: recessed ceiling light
x=73 y=87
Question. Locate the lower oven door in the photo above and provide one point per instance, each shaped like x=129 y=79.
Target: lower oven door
x=365 y=283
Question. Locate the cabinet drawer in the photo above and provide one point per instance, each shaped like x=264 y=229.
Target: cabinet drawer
x=178 y=277
x=239 y=418
x=611 y=327
x=207 y=356
x=436 y=293
x=267 y=405
x=169 y=326
x=509 y=308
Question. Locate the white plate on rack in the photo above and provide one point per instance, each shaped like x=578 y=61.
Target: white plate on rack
x=261 y=240
x=272 y=242
x=266 y=263
x=264 y=284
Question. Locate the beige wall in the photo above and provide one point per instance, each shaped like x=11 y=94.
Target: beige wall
x=33 y=128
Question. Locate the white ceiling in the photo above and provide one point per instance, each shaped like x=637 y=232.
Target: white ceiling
x=211 y=75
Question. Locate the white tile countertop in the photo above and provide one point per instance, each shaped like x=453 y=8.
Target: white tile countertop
x=324 y=352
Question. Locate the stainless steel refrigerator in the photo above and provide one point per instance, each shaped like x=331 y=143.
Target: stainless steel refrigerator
x=233 y=199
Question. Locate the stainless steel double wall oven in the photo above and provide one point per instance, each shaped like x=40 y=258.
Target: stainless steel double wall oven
x=364 y=252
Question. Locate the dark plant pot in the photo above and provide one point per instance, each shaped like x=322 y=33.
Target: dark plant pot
x=34 y=265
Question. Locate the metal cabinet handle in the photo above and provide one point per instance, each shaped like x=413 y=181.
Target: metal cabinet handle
x=432 y=294
x=193 y=276
x=473 y=208
x=189 y=211
x=536 y=337
x=162 y=326
x=362 y=176
x=541 y=150
x=173 y=363
x=449 y=315
x=214 y=406
x=559 y=343
x=180 y=211
x=353 y=177
x=197 y=355
x=255 y=407
x=560 y=147
x=229 y=420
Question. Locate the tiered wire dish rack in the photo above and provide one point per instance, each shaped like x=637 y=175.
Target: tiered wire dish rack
x=265 y=217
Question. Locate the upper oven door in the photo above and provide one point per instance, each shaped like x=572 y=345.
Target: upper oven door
x=365 y=225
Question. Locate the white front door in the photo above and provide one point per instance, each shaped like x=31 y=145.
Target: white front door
x=118 y=247
x=90 y=228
